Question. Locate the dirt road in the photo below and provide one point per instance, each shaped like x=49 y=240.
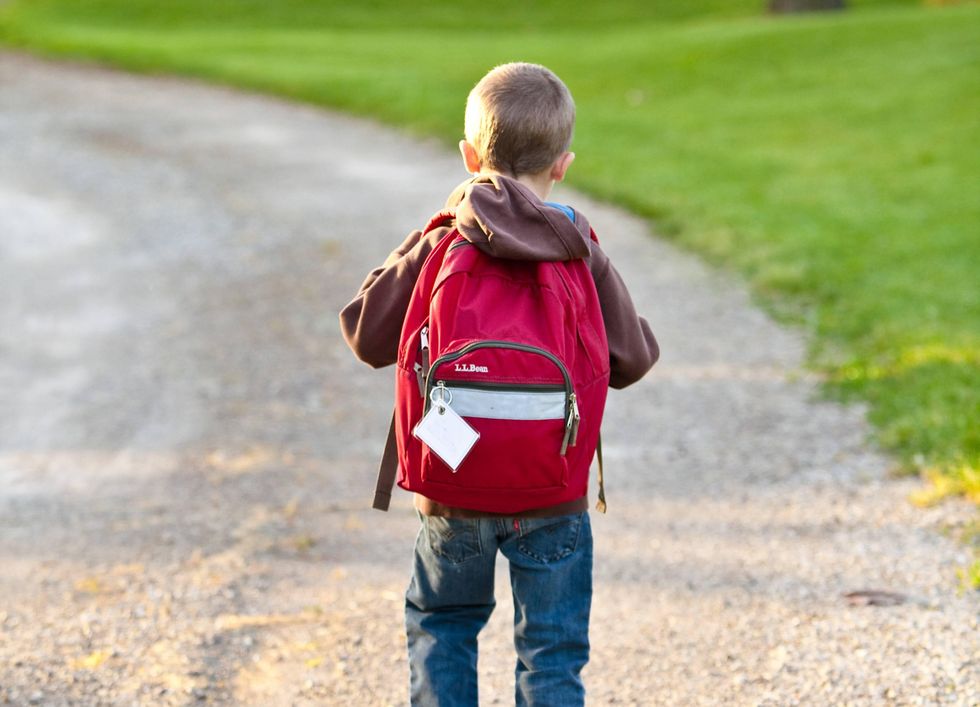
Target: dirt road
x=187 y=448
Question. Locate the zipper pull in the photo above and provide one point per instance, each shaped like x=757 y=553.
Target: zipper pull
x=571 y=425
x=576 y=419
x=567 y=437
x=422 y=369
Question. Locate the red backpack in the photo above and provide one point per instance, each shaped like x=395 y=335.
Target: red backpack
x=518 y=350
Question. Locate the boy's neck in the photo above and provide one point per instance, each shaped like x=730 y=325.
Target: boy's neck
x=540 y=184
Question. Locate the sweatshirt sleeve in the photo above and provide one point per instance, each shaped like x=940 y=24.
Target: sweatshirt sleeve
x=372 y=322
x=632 y=347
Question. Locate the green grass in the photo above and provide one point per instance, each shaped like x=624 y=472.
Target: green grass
x=831 y=159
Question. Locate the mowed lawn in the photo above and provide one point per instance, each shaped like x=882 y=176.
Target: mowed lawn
x=831 y=159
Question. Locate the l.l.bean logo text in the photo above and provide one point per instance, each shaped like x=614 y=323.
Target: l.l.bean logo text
x=471 y=368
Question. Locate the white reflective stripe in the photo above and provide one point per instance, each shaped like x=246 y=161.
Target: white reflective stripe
x=508 y=404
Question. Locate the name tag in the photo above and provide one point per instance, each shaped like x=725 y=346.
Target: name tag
x=447 y=434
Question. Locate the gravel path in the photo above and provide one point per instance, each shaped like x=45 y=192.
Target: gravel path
x=187 y=448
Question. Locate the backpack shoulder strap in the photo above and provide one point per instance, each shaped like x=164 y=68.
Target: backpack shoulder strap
x=442 y=218
x=601 y=503
x=387 y=470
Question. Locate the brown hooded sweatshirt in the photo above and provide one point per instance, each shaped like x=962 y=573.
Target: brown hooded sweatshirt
x=505 y=219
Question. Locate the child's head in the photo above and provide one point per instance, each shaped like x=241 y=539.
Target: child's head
x=519 y=121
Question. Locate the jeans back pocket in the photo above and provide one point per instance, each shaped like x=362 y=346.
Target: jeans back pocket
x=550 y=539
x=453 y=539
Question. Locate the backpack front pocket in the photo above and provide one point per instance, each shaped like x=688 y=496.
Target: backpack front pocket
x=525 y=422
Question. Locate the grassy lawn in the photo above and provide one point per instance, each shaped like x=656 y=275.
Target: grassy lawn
x=831 y=159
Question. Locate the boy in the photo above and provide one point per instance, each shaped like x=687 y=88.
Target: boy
x=518 y=128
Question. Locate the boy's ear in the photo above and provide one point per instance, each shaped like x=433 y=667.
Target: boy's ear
x=561 y=166
x=470 y=157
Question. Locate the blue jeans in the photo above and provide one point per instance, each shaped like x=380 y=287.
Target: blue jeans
x=450 y=599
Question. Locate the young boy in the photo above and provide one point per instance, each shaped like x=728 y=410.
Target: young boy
x=518 y=128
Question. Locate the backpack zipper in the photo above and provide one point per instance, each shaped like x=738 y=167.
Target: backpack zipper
x=572 y=417
x=507 y=387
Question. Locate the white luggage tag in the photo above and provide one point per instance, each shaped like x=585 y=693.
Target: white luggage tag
x=446 y=433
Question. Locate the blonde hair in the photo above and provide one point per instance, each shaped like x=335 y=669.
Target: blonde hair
x=519 y=118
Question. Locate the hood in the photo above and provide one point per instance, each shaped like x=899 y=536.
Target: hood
x=505 y=219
